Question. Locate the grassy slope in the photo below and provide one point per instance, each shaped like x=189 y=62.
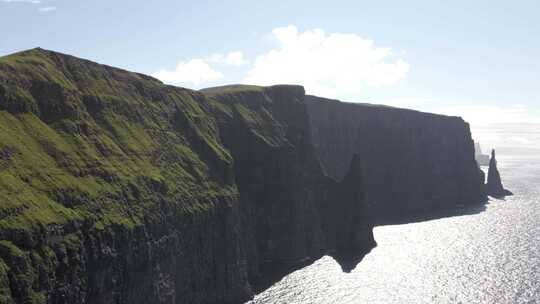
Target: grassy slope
x=87 y=148
x=85 y=142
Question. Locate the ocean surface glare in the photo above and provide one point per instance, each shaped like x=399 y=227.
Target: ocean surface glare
x=488 y=254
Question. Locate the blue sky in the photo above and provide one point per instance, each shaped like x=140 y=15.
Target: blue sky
x=477 y=59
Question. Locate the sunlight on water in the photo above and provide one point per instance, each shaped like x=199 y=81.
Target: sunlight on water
x=491 y=256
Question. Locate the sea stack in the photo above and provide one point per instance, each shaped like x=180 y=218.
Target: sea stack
x=494 y=185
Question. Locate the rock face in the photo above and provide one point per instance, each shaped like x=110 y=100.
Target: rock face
x=294 y=212
x=494 y=186
x=116 y=188
x=413 y=161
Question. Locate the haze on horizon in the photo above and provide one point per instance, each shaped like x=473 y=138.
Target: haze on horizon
x=476 y=60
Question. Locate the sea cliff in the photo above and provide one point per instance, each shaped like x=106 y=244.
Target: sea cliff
x=414 y=162
x=116 y=188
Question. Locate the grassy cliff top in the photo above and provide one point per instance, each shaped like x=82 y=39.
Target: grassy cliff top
x=234 y=88
x=84 y=142
x=370 y=107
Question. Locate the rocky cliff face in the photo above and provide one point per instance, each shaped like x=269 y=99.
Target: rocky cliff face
x=494 y=186
x=294 y=213
x=413 y=161
x=115 y=188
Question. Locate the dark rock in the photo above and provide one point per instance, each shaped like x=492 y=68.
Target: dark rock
x=414 y=162
x=293 y=213
x=494 y=186
x=351 y=226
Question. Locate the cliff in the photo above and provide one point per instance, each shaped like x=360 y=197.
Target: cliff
x=294 y=213
x=494 y=186
x=116 y=188
x=414 y=162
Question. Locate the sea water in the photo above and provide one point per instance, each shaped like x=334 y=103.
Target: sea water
x=482 y=254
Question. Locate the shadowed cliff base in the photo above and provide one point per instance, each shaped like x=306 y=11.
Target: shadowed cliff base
x=434 y=215
x=272 y=273
x=348 y=229
x=349 y=259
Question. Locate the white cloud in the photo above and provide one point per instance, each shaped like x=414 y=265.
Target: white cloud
x=235 y=58
x=194 y=72
x=47 y=9
x=340 y=65
x=331 y=65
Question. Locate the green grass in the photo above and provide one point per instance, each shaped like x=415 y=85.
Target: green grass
x=88 y=149
x=35 y=65
x=82 y=165
x=8 y=249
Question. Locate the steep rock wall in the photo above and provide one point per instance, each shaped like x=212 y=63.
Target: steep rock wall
x=413 y=161
x=292 y=211
x=115 y=188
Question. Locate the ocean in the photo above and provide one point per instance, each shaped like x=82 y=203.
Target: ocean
x=477 y=254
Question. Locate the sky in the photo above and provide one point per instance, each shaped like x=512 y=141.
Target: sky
x=475 y=59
